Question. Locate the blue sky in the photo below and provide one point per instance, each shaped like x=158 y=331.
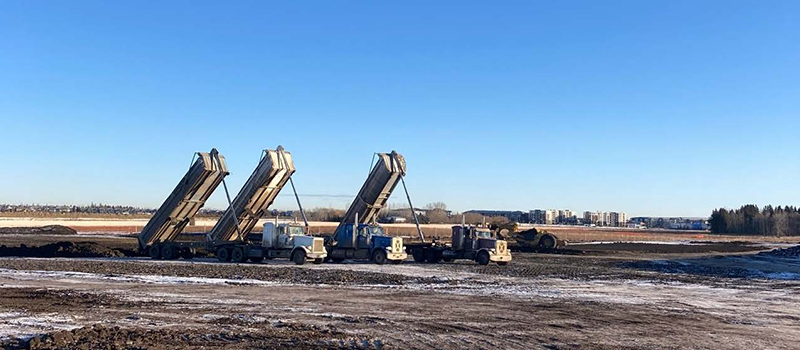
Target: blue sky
x=648 y=107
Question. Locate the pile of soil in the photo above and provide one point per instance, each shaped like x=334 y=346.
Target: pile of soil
x=793 y=252
x=282 y=335
x=63 y=250
x=44 y=230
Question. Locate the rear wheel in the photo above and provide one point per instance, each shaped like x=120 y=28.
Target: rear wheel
x=299 y=257
x=483 y=257
x=379 y=257
x=168 y=252
x=155 y=252
x=238 y=255
x=223 y=254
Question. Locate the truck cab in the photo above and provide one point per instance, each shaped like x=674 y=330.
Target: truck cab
x=477 y=244
x=369 y=242
x=291 y=240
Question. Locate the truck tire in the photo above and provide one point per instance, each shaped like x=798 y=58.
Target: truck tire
x=237 y=255
x=299 y=256
x=223 y=254
x=418 y=254
x=547 y=242
x=168 y=252
x=379 y=257
x=483 y=257
x=155 y=252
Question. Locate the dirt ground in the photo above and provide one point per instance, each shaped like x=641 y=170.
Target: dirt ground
x=728 y=295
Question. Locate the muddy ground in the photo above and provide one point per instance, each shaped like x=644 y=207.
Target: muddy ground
x=612 y=296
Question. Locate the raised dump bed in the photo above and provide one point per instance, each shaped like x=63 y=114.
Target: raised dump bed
x=191 y=193
x=257 y=194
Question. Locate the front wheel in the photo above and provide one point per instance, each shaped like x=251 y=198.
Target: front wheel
x=547 y=243
x=483 y=257
x=419 y=255
x=379 y=257
x=299 y=257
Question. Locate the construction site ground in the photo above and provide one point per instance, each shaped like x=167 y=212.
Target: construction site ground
x=93 y=291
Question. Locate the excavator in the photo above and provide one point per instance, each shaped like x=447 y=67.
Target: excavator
x=528 y=240
x=357 y=236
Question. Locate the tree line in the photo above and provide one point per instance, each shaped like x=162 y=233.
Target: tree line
x=750 y=220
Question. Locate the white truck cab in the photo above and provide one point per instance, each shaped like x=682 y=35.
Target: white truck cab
x=291 y=241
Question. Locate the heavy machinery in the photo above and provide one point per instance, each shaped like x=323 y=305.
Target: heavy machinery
x=529 y=240
x=467 y=242
x=191 y=193
x=230 y=238
x=358 y=237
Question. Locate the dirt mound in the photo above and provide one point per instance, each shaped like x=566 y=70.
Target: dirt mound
x=793 y=252
x=63 y=250
x=281 y=335
x=44 y=230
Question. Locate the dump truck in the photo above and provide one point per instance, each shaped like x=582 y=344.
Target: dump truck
x=231 y=239
x=467 y=242
x=357 y=236
x=181 y=206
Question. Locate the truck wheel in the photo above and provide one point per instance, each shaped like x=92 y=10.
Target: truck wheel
x=168 y=252
x=155 y=252
x=223 y=254
x=379 y=257
x=418 y=254
x=547 y=242
x=299 y=257
x=238 y=255
x=483 y=257
x=257 y=259
x=318 y=261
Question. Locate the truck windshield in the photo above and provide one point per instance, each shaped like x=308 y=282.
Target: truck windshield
x=376 y=230
x=296 y=231
x=483 y=234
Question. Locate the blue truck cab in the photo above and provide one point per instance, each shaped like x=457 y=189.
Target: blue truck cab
x=369 y=243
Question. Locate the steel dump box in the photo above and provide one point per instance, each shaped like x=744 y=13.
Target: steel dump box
x=203 y=177
x=376 y=189
x=257 y=194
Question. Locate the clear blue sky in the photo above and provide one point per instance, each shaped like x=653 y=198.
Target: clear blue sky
x=648 y=107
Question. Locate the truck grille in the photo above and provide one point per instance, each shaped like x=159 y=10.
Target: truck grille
x=317 y=246
x=502 y=247
x=397 y=245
